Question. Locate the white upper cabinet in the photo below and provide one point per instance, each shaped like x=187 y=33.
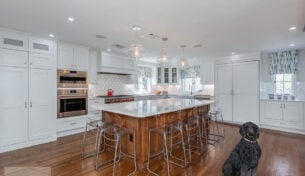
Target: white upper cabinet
x=72 y=57
x=43 y=61
x=13 y=58
x=81 y=58
x=207 y=73
x=168 y=75
x=41 y=46
x=92 y=73
x=11 y=40
x=112 y=63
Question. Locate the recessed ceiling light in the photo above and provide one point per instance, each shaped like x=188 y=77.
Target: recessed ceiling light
x=233 y=53
x=109 y=50
x=70 y=19
x=292 y=28
x=51 y=35
x=292 y=44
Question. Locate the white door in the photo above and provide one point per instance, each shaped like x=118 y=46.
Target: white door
x=13 y=58
x=246 y=92
x=81 y=58
x=65 y=57
x=44 y=61
x=42 y=103
x=223 y=90
x=13 y=105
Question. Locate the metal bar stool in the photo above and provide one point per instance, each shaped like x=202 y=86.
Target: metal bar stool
x=114 y=133
x=91 y=124
x=175 y=127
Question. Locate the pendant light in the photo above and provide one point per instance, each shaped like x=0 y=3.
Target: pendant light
x=136 y=49
x=164 y=59
x=183 y=62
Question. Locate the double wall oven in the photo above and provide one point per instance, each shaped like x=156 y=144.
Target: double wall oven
x=72 y=93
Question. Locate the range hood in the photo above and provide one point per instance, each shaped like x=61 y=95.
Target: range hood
x=109 y=63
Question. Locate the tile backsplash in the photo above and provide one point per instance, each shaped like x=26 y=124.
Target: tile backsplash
x=268 y=88
x=110 y=81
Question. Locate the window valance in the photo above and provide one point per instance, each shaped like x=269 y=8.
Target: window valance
x=284 y=62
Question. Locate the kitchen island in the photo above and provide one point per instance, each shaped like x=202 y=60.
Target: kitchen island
x=143 y=115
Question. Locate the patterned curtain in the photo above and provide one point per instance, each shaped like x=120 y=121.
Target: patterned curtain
x=284 y=62
x=191 y=72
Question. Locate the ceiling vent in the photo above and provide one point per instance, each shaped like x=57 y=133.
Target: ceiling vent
x=150 y=36
x=197 y=46
x=118 y=46
x=100 y=36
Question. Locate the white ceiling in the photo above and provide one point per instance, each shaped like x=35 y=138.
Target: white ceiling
x=221 y=26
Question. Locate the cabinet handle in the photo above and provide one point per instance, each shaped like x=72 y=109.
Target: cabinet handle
x=30 y=63
x=25 y=105
x=31 y=105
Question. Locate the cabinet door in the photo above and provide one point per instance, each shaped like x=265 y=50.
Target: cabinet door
x=223 y=90
x=166 y=75
x=174 y=74
x=92 y=73
x=81 y=58
x=42 y=103
x=43 y=61
x=272 y=110
x=13 y=58
x=13 y=105
x=14 y=41
x=293 y=112
x=159 y=75
x=207 y=73
x=65 y=57
x=41 y=46
x=246 y=92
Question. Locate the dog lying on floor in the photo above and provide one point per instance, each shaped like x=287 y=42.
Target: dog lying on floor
x=246 y=154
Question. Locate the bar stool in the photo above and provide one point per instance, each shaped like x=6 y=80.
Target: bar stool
x=91 y=124
x=170 y=129
x=195 y=133
x=216 y=122
x=114 y=133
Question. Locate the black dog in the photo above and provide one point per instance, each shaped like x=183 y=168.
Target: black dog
x=246 y=154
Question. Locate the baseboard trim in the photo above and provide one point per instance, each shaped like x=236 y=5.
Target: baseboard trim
x=27 y=144
x=285 y=131
x=70 y=132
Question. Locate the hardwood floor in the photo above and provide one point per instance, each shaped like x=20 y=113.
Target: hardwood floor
x=283 y=154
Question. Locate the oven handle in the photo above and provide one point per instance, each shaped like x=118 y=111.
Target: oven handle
x=71 y=96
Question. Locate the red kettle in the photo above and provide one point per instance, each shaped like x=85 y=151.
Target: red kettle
x=109 y=92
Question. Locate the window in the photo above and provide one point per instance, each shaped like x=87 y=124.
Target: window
x=284 y=83
x=144 y=79
x=191 y=79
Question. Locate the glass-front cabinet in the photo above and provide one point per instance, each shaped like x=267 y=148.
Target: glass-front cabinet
x=167 y=75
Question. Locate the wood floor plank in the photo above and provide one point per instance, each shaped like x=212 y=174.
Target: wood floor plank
x=283 y=154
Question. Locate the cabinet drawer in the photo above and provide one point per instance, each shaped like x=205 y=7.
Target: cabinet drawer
x=66 y=125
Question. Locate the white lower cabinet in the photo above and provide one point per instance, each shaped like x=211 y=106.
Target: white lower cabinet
x=282 y=114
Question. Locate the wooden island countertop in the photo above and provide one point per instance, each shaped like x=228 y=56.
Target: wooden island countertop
x=143 y=115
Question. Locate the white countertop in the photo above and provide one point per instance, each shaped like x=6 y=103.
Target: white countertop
x=282 y=100
x=146 y=108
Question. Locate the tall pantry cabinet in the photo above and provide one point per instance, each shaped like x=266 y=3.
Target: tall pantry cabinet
x=27 y=90
x=237 y=88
